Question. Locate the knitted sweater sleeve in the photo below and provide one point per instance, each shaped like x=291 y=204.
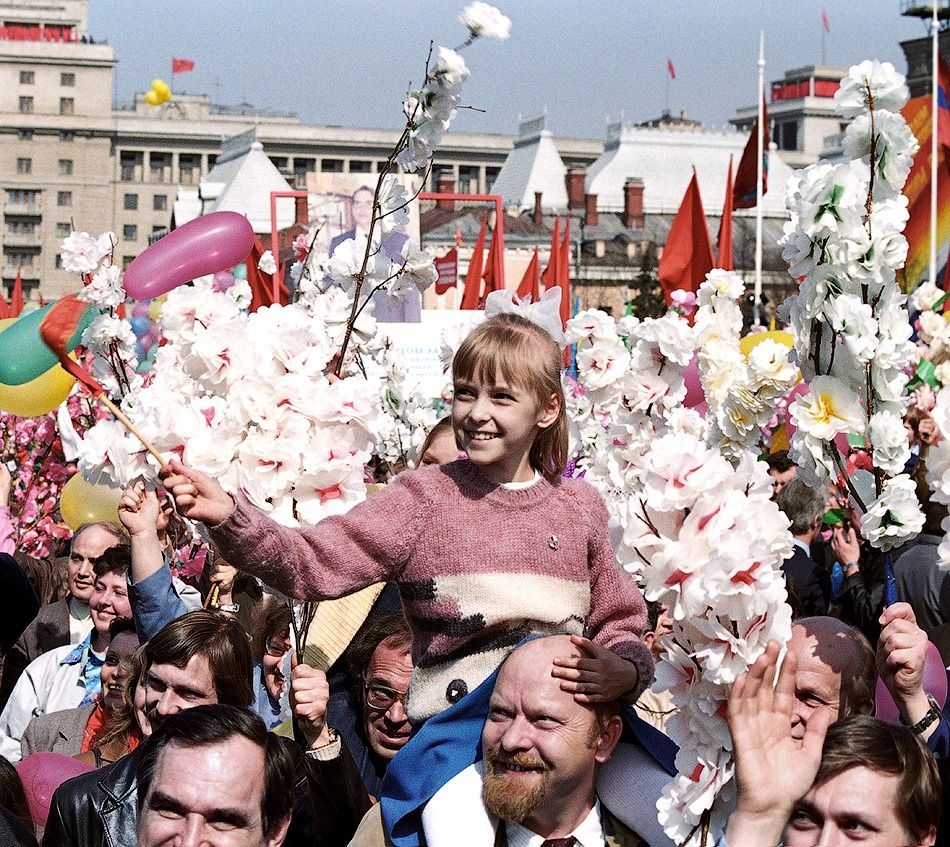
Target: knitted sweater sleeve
x=618 y=613
x=338 y=556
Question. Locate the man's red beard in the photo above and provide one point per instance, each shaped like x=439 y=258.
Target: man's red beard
x=506 y=797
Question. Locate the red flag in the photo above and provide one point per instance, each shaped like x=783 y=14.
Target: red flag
x=472 y=295
x=16 y=298
x=447 y=267
x=492 y=283
x=58 y=327
x=564 y=273
x=687 y=255
x=180 y=66
x=943 y=103
x=743 y=192
x=530 y=285
x=262 y=284
x=824 y=20
x=724 y=248
x=670 y=69
x=549 y=274
x=4 y=308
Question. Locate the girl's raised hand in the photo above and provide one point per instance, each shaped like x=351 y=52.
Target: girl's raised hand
x=597 y=675
x=197 y=495
x=138 y=509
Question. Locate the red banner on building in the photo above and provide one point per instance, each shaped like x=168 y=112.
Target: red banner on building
x=448 y=269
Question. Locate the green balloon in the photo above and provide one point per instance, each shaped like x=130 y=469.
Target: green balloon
x=23 y=353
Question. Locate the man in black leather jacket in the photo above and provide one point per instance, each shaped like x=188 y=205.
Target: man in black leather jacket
x=200 y=658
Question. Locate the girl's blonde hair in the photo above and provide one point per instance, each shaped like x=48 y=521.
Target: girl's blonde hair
x=527 y=358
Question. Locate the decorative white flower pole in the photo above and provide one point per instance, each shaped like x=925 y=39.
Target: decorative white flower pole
x=844 y=244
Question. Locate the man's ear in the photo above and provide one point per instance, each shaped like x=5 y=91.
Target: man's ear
x=277 y=837
x=609 y=738
x=549 y=411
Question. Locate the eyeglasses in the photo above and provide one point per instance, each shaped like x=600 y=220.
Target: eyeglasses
x=276 y=646
x=382 y=696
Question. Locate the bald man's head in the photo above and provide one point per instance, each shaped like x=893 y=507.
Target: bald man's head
x=836 y=670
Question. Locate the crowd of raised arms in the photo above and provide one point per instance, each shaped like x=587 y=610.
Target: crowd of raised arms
x=484 y=672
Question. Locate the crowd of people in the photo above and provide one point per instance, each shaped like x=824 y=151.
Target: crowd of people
x=496 y=688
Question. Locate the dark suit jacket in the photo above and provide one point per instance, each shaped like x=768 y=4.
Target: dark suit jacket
x=50 y=628
x=615 y=833
x=18 y=602
x=807 y=583
x=57 y=732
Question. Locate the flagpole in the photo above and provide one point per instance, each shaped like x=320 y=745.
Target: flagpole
x=760 y=143
x=934 y=109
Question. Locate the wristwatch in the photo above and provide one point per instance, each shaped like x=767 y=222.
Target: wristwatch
x=928 y=720
x=233 y=608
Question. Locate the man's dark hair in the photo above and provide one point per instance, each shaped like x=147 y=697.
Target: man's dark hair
x=274 y=619
x=115 y=560
x=654 y=608
x=779 y=461
x=220 y=639
x=215 y=724
x=863 y=741
x=391 y=629
x=120 y=625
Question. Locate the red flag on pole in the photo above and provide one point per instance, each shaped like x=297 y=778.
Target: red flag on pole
x=670 y=69
x=58 y=327
x=530 y=285
x=472 y=295
x=687 y=255
x=180 y=66
x=16 y=298
x=743 y=192
x=564 y=273
x=447 y=267
x=824 y=20
x=549 y=274
x=492 y=282
x=943 y=103
x=4 y=308
x=724 y=247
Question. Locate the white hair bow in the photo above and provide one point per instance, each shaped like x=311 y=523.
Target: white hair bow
x=546 y=313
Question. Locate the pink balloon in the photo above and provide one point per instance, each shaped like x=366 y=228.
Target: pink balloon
x=797 y=391
x=223 y=280
x=205 y=245
x=41 y=774
x=694 y=388
x=935 y=684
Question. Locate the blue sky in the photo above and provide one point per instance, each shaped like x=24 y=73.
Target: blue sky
x=348 y=62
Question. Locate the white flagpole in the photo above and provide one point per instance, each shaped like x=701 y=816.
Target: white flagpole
x=760 y=142
x=934 y=64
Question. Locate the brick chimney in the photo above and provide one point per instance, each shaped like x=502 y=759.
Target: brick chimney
x=445 y=185
x=590 y=210
x=633 y=203
x=538 y=216
x=575 y=187
x=300 y=210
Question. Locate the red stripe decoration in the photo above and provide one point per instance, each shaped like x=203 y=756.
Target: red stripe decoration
x=58 y=327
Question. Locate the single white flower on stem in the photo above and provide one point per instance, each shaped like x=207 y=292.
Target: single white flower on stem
x=828 y=408
x=267 y=263
x=484 y=20
x=895 y=516
x=81 y=253
x=871 y=83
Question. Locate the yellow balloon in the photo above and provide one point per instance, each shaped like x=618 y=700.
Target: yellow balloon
x=81 y=502
x=38 y=396
x=753 y=339
x=154 y=310
x=160 y=87
x=152 y=98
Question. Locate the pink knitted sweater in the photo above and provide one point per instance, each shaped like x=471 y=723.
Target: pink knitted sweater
x=479 y=567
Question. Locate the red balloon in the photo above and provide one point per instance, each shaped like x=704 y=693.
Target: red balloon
x=205 y=245
x=41 y=774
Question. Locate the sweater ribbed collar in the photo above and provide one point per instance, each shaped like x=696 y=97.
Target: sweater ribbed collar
x=473 y=483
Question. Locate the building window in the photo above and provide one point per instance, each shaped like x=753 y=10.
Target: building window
x=64 y=198
x=189 y=169
x=126 y=261
x=65 y=167
x=66 y=105
x=27 y=77
x=26 y=105
x=59 y=262
x=18 y=258
x=63 y=230
x=358 y=167
x=67 y=135
x=22 y=197
x=130 y=232
x=160 y=202
x=67 y=79
x=159 y=166
x=130 y=202
x=24 y=134
x=21 y=226
x=24 y=166
x=331 y=166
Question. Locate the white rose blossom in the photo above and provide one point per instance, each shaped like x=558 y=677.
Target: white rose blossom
x=483 y=19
